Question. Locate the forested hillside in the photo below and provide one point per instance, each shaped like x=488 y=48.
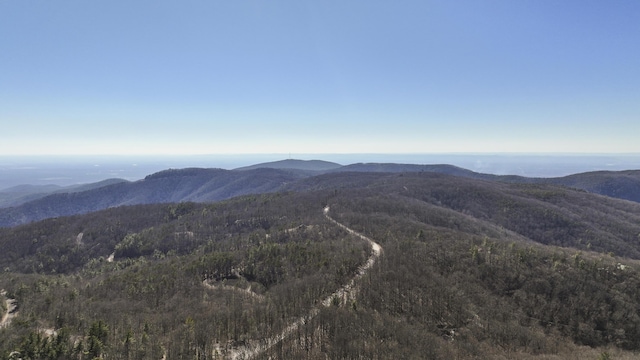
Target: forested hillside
x=468 y=269
x=167 y=186
x=617 y=184
x=18 y=195
x=203 y=185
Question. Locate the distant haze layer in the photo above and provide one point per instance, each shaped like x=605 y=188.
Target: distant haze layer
x=63 y=171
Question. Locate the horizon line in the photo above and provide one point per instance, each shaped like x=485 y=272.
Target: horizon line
x=292 y=156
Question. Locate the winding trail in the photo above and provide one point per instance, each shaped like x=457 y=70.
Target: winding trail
x=256 y=347
x=11 y=306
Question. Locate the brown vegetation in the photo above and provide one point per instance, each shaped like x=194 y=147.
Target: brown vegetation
x=471 y=269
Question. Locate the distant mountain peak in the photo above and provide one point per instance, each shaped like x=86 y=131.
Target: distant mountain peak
x=295 y=164
x=183 y=172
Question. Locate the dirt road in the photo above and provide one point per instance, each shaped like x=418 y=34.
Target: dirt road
x=256 y=347
x=11 y=306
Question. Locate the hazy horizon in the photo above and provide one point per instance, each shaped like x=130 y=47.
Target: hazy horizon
x=82 y=169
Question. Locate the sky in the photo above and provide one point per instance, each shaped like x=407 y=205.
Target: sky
x=294 y=76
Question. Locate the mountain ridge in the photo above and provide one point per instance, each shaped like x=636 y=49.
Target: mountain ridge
x=295 y=164
x=214 y=184
x=467 y=269
x=20 y=194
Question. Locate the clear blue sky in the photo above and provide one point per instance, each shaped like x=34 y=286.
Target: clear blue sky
x=224 y=77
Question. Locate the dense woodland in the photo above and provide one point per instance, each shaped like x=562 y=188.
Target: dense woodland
x=25 y=204
x=470 y=269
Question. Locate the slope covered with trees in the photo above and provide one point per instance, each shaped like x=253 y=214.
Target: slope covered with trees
x=167 y=186
x=469 y=269
x=18 y=195
x=203 y=185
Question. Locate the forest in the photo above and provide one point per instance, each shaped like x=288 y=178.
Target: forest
x=468 y=269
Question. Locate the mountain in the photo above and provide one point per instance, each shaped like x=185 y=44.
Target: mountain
x=204 y=185
x=293 y=164
x=201 y=185
x=346 y=265
x=21 y=194
x=31 y=189
x=398 y=168
x=617 y=184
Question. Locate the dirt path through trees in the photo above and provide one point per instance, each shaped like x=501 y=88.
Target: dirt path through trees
x=10 y=313
x=256 y=347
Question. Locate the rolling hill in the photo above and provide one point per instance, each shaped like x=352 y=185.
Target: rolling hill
x=21 y=194
x=468 y=268
x=201 y=185
x=617 y=184
x=206 y=185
